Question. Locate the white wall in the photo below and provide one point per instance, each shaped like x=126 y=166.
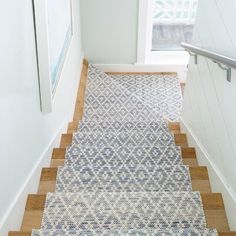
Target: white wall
x=110 y=38
x=209 y=112
x=27 y=136
x=109 y=30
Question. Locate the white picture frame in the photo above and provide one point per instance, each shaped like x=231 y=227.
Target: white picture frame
x=54 y=32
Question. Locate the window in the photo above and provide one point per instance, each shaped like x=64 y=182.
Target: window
x=173 y=23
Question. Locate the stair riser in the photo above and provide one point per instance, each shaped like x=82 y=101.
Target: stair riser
x=29 y=234
x=213 y=204
x=199 y=179
x=214 y=213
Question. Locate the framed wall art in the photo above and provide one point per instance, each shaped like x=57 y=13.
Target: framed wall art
x=54 y=31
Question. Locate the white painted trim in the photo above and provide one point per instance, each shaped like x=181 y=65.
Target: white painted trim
x=43 y=54
x=149 y=35
x=218 y=181
x=168 y=57
x=141 y=50
x=41 y=21
x=14 y=215
x=181 y=70
x=145 y=55
x=144 y=31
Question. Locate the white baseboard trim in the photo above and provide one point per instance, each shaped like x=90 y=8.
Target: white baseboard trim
x=218 y=181
x=13 y=217
x=180 y=69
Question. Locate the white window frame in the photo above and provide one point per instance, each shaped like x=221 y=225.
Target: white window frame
x=144 y=45
x=144 y=30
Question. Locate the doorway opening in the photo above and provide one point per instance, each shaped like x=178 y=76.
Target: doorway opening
x=173 y=23
x=163 y=26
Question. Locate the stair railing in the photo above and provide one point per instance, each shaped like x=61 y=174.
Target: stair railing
x=224 y=62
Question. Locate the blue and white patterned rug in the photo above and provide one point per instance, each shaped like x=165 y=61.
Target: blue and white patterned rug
x=136 y=232
x=160 y=92
x=142 y=98
x=118 y=126
x=123 y=178
x=123 y=174
x=77 y=155
x=123 y=210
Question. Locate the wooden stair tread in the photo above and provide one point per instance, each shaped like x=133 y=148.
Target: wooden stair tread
x=227 y=233
x=187 y=152
x=189 y=156
x=199 y=177
x=72 y=127
x=28 y=233
x=58 y=153
x=181 y=140
x=66 y=140
x=174 y=127
x=35 y=202
x=58 y=157
x=198 y=172
x=19 y=233
x=48 y=174
x=78 y=114
x=212 y=203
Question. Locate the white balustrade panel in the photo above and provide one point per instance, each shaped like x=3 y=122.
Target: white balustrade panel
x=174 y=11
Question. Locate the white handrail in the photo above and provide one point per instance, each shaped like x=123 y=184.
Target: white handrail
x=224 y=62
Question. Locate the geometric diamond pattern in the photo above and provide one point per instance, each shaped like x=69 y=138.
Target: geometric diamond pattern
x=107 y=100
x=134 y=232
x=123 y=173
x=128 y=126
x=161 y=92
x=122 y=114
x=152 y=95
x=128 y=139
x=123 y=178
x=77 y=155
x=123 y=210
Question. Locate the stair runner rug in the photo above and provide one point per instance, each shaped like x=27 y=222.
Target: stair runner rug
x=78 y=155
x=123 y=174
x=137 y=232
x=161 y=92
x=117 y=126
x=108 y=98
x=135 y=178
x=123 y=139
x=123 y=210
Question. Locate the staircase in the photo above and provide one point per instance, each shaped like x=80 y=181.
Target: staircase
x=122 y=169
